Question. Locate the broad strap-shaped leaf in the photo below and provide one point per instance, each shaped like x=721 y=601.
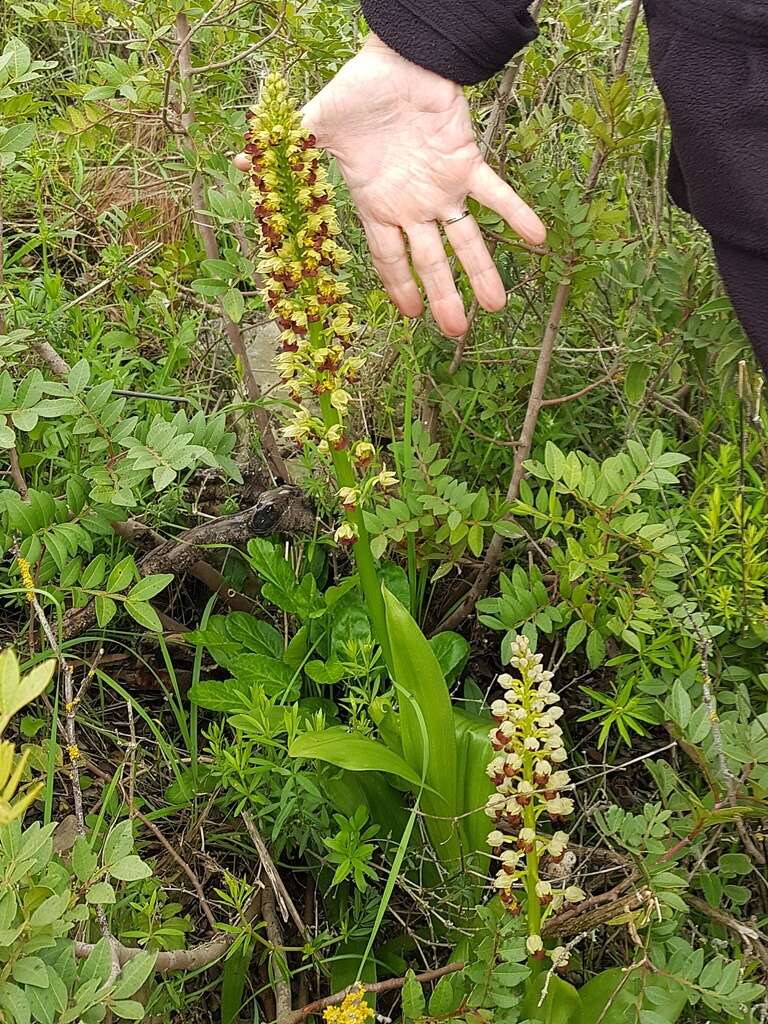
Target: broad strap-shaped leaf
x=426 y=726
x=611 y=997
x=474 y=753
x=356 y=753
x=561 y=1004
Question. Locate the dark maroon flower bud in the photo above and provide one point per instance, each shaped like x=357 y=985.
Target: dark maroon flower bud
x=310 y=142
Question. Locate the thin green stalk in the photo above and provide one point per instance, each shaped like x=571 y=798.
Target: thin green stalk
x=407 y=465
x=532 y=872
x=366 y=566
x=193 y=708
x=532 y=905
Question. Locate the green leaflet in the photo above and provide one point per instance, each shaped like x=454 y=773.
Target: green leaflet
x=611 y=997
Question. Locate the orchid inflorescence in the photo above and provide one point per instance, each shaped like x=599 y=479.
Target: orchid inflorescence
x=299 y=261
x=529 y=783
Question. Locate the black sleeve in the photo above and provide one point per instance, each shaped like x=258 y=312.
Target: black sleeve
x=710 y=60
x=464 y=40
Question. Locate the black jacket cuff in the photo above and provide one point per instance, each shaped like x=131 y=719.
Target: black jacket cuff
x=466 y=41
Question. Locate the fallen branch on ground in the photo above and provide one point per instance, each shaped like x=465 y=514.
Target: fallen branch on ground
x=284 y=510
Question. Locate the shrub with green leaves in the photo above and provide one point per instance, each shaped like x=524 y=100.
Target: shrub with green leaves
x=50 y=894
x=47 y=898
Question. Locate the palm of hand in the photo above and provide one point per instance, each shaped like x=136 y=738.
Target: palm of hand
x=402 y=137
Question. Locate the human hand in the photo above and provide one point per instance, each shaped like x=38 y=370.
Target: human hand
x=403 y=140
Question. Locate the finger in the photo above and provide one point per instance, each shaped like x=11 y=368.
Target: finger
x=490 y=190
x=391 y=261
x=431 y=264
x=242 y=162
x=468 y=244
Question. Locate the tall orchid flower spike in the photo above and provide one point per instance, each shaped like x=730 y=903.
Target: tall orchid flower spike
x=299 y=260
x=528 y=745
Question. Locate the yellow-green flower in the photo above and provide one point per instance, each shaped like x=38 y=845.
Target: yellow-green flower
x=346 y=535
x=27 y=580
x=352 y=1010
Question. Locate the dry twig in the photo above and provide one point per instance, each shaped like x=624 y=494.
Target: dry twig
x=282 y=510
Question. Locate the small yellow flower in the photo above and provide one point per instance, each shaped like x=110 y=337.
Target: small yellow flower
x=346 y=535
x=560 y=958
x=27 y=580
x=352 y=1010
x=573 y=894
x=340 y=400
x=363 y=454
x=349 y=497
x=385 y=479
x=73 y=752
x=544 y=892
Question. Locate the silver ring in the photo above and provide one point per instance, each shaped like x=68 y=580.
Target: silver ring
x=456 y=219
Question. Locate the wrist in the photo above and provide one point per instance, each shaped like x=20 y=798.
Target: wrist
x=375 y=46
